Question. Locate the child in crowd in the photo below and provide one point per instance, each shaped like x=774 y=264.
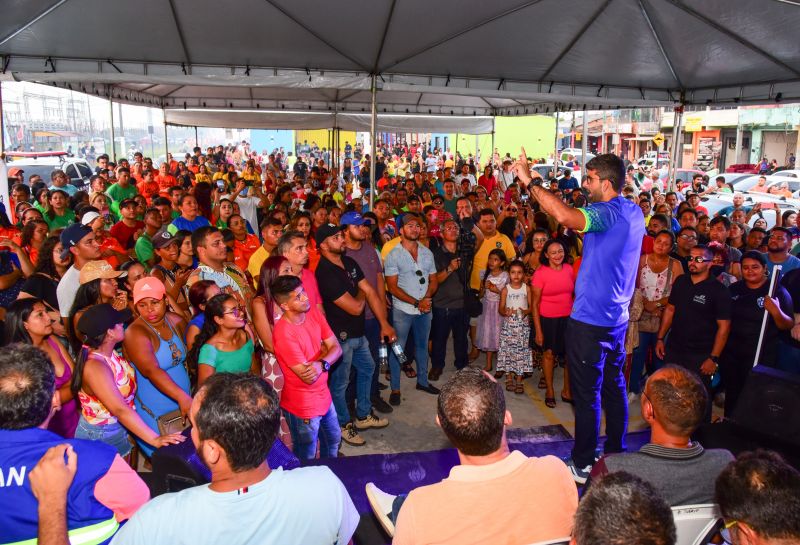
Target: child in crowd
x=514 y=356
x=494 y=280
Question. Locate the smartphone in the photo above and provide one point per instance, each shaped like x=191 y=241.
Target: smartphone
x=220 y=185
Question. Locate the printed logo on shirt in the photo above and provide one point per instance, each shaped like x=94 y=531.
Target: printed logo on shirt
x=701 y=299
x=760 y=302
x=498 y=245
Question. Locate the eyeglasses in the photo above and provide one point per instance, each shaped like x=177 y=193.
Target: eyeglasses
x=514 y=210
x=688 y=237
x=698 y=259
x=422 y=279
x=236 y=311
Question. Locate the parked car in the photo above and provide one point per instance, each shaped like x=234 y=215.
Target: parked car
x=77 y=170
x=746 y=184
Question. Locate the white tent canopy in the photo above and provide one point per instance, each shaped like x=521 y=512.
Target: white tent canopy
x=305 y=63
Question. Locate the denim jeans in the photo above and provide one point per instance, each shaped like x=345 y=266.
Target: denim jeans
x=356 y=355
x=444 y=321
x=111 y=434
x=372 y=331
x=647 y=343
x=596 y=356
x=420 y=324
x=788 y=358
x=306 y=431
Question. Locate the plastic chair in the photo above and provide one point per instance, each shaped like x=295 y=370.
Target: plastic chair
x=695 y=523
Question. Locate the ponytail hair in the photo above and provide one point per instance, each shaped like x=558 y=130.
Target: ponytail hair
x=80 y=363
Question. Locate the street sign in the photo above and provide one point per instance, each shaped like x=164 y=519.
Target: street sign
x=658 y=139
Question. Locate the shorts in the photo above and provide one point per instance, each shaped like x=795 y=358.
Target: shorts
x=554 y=333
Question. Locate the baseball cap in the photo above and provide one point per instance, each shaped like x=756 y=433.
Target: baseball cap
x=325 y=231
x=163 y=239
x=437 y=198
x=148 y=287
x=89 y=217
x=406 y=218
x=15 y=171
x=352 y=218
x=126 y=202
x=71 y=236
x=98 y=269
x=100 y=318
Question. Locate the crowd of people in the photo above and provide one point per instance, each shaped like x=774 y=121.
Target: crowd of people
x=263 y=290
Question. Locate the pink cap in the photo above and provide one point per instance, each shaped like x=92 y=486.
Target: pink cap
x=148 y=287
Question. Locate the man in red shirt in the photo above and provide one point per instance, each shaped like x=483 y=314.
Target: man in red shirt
x=128 y=229
x=165 y=179
x=305 y=347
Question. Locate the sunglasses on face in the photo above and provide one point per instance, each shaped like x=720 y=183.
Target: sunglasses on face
x=699 y=259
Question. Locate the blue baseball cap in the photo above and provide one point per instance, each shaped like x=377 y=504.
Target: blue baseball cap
x=352 y=218
x=71 y=236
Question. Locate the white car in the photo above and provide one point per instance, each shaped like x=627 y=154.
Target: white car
x=77 y=170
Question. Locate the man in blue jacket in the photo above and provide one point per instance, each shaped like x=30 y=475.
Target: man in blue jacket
x=105 y=490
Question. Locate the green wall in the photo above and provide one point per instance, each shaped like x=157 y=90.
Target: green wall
x=535 y=132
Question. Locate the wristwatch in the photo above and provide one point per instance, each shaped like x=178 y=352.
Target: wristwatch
x=416 y=303
x=715 y=359
x=326 y=366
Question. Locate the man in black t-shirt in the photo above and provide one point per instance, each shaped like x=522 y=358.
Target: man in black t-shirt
x=449 y=314
x=698 y=319
x=345 y=292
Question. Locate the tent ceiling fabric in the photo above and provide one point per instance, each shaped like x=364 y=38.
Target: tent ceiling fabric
x=489 y=59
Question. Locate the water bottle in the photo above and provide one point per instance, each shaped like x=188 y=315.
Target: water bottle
x=397 y=348
x=383 y=354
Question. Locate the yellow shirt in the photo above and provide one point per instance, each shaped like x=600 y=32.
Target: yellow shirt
x=256 y=260
x=388 y=247
x=202 y=178
x=498 y=241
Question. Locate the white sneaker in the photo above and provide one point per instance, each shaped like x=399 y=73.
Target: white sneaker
x=381 y=504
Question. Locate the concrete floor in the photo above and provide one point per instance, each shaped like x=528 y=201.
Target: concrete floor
x=412 y=425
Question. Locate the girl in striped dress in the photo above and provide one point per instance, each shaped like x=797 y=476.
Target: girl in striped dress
x=514 y=356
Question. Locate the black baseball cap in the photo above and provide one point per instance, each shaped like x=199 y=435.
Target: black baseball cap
x=325 y=231
x=71 y=236
x=163 y=239
x=100 y=318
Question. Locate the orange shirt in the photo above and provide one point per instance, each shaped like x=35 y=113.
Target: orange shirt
x=148 y=189
x=242 y=250
x=166 y=181
x=313 y=254
x=110 y=243
x=537 y=495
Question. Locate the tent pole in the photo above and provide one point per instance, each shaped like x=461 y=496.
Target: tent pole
x=491 y=159
x=111 y=112
x=196 y=140
x=555 y=147
x=166 y=144
x=675 y=149
x=373 y=140
x=584 y=141
x=602 y=147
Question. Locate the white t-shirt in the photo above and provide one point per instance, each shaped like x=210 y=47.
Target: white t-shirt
x=248 y=206
x=66 y=290
x=302 y=506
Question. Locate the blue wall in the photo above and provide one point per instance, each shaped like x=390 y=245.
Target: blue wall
x=263 y=139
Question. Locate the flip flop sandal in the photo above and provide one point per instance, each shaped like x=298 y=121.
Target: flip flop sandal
x=542 y=384
x=519 y=388
x=550 y=402
x=409 y=371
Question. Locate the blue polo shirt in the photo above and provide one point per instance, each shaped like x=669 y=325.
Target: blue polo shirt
x=181 y=223
x=611 y=247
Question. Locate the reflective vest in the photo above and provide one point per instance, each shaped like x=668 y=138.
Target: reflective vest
x=89 y=522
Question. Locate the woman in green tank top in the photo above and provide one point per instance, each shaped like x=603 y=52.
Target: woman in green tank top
x=225 y=343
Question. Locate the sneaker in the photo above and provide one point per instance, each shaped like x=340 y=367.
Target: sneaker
x=381 y=504
x=371 y=421
x=394 y=398
x=430 y=389
x=351 y=437
x=380 y=405
x=579 y=475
